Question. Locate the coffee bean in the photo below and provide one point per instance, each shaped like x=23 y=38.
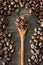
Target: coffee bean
x=27 y=5
x=4 y=63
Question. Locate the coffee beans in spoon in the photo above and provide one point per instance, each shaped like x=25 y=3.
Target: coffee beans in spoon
x=22 y=22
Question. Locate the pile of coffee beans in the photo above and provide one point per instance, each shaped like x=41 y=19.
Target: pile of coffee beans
x=41 y=13
x=7 y=47
x=22 y=23
x=37 y=7
x=7 y=6
x=36 y=43
x=3 y=22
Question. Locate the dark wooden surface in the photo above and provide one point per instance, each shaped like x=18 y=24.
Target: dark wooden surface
x=15 y=35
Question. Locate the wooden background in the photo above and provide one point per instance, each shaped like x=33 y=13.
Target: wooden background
x=15 y=35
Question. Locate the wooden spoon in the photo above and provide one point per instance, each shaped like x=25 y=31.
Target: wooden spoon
x=22 y=36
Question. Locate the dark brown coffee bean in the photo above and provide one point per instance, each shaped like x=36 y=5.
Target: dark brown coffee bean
x=1 y=54
x=1 y=45
x=4 y=63
x=27 y=5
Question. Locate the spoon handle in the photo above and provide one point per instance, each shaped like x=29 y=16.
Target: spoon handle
x=22 y=50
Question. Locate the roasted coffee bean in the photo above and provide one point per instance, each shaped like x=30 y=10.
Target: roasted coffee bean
x=4 y=63
x=29 y=60
x=32 y=51
x=32 y=46
x=22 y=4
x=9 y=35
x=33 y=57
x=18 y=10
x=8 y=59
x=12 y=51
x=27 y=5
x=1 y=54
x=1 y=45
